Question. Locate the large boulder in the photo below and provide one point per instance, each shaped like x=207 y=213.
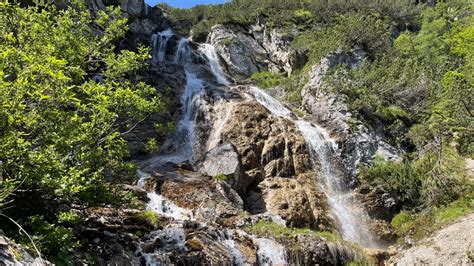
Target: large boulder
x=298 y=201
x=209 y=200
x=222 y=159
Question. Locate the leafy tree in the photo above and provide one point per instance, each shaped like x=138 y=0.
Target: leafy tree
x=67 y=99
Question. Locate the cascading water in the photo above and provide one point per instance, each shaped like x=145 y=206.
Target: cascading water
x=210 y=52
x=182 y=51
x=352 y=218
x=349 y=213
x=159 y=43
x=270 y=252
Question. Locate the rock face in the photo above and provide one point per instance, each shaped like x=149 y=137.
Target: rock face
x=247 y=51
x=242 y=54
x=276 y=174
x=14 y=254
x=359 y=143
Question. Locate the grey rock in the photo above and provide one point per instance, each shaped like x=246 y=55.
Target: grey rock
x=257 y=49
x=222 y=159
x=132 y=7
x=242 y=54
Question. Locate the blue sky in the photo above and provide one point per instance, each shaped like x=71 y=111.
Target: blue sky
x=184 y=3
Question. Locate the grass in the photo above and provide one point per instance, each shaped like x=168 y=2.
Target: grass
x=149 y=217
x=270 y=229
x=220 y=177
x=420 y=225
x=268 y=80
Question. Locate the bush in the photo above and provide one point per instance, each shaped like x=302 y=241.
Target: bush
x=220 y=177
x=268 y=80
x=149 y=216
x=420 y=225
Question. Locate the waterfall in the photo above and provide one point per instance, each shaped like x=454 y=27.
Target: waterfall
x=210 y=52
x=351 y=217
x=237 y=257
x=270 y=252
x=159 y=43
x=171 y=239
x=182 y=51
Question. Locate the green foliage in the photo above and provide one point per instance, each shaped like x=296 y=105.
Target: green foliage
x=67 y=99
x=55 y=240
x=420 y=225
x=70 y=217
x=267 y=79
x=148 y=216
x=470 y=255
x=220 y=177
x=431 y=180
x=270 y=229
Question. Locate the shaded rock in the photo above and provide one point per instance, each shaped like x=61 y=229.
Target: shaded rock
x=132 y=8
x=222 y=159
x=14 y=254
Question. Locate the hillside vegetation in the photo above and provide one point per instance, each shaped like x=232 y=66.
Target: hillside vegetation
x=67 y=99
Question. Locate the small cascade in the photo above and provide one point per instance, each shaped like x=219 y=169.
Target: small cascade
x=270 y=252
x=159 y=43
x=171 y=239
x=166 y=208
x=237 y=257
x=353 y=220
x=224 y=110
x=270 y=103
x=183 y=52
x=210 y=52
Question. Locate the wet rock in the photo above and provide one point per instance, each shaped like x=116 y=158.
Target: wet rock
x=276 y=170
x=210 y=200
x=314 y=250
x=222 y=159
x=383 y=232
x=140 y=193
